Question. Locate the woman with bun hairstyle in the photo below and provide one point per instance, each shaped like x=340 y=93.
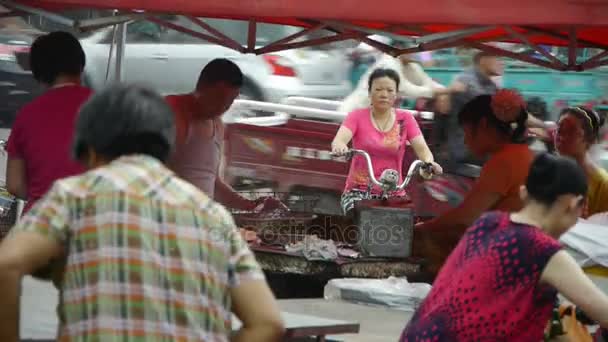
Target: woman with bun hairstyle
x=494 y=129
x=501 y=281
x=578 y=129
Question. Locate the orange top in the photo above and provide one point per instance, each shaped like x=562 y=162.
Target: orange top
x=504 y=173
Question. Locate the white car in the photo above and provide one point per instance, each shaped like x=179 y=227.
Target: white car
x=171 y=61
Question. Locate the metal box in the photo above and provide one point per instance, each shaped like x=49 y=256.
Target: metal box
x=385 y=231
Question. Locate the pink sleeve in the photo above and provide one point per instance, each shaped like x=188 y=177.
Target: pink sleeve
x=412 y=130
x=352 y=121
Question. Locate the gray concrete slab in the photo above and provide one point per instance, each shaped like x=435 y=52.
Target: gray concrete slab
x=377 y=324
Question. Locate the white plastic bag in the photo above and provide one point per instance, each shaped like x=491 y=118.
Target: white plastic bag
x=393 y=292
x=589 y=241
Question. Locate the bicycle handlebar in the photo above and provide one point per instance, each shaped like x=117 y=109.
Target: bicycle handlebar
x=370 y=168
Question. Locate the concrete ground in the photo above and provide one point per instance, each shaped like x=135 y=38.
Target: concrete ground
x=377 y=324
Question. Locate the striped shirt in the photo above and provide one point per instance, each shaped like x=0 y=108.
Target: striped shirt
x=148 y=257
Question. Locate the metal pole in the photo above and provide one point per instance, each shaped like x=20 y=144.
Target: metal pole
x=121 y=40
x=111 y=53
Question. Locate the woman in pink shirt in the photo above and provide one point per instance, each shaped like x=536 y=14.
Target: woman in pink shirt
x=383 y=132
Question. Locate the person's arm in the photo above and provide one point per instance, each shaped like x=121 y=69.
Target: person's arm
x=458 y=86
x=534 y=122
x=477 y=201
x=425 y=79
x=568 y=278
x=228 y=197
x=252 y=300
x=346 y=132
x=224 y=193
x=35 y=242
x=491 y=186
x=16 y=182
x=340 y=143
x=20 y=254
x=422 y=150
x=254 y=304
x=418 y=144
x=411 y=91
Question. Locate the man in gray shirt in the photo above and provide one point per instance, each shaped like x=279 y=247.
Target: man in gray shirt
x=468 y=85
x=479 y=80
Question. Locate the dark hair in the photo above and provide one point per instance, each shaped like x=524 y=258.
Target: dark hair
x=382 y=72
x=54 y=54
x=221 y=70
x=591 y=121
x=551 y=176
x=481 y=107
x=124 y=120
x=482 y=54
x=537 y=107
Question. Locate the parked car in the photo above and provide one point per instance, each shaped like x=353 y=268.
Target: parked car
x=170 y=60
x=17 y=86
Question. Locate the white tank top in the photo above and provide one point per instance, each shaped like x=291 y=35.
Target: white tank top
x=197 y=160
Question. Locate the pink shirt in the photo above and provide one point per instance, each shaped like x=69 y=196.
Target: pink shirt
x=386 y=149
x=42 y=137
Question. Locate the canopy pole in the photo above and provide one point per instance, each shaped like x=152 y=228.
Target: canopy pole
x=111 y=52
x=593 y=61
x=565 y=37
x=558 y=64
x=193 y=33
x=389 y=49
x=312 y=42
x=518 y=56
x=251 y=36
x=572 y=46
x=92 y=24
x=216 y=33
x=379 y=45
x=452 y=35
x=291 y=37
x=120 y=51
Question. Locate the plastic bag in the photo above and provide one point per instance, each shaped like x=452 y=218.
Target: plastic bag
x=392 y=292
x=590 y=240
x=313 y=248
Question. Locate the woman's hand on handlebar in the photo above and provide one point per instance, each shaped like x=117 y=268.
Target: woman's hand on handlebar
x=432 y=169
x=339 y=148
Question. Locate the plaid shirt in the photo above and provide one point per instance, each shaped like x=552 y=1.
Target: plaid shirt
x=148 y=257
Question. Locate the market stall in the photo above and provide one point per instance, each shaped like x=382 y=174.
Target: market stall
x=437 y=25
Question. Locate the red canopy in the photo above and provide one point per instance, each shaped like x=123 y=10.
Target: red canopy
x=437 y=23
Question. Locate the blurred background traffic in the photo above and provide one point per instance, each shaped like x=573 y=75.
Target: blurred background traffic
x=169 y=61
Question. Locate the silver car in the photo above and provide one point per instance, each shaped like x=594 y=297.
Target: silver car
x=170 y=61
